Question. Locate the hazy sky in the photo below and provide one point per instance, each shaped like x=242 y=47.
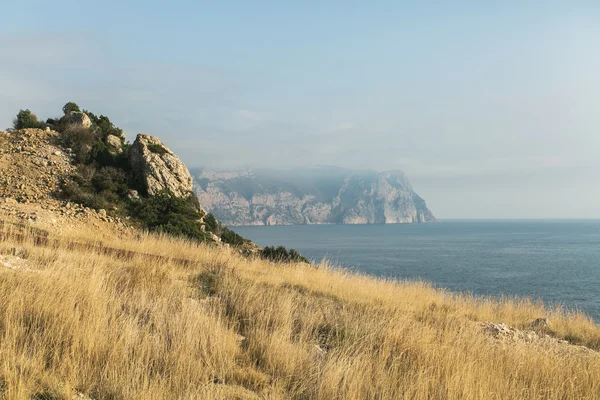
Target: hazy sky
x=493 y=111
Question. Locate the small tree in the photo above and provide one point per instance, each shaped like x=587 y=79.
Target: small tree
x=26 y=119
x=70 y=107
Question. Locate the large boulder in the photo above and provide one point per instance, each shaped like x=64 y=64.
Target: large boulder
x=157 y=168
x=114 y=144
x=76 y=118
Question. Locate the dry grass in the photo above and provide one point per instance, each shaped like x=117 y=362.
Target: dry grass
x=76 y=321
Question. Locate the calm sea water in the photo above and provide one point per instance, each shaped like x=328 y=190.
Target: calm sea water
x=557 y=261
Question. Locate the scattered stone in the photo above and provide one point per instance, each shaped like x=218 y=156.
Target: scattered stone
x=13 y=262
x=80 y=396
x=540 y=325
x=319 y=352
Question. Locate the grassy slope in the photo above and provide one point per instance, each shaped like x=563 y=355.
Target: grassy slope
x=76 y=320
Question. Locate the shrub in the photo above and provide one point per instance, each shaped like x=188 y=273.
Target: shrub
x=230 y=237
x=103 y=180
x=281 y=254
x=26 y=119
x=97 y=187
x=209 y=283
x=169 y=214
x=70 y=107
x=227 y=235
x=211 y=224
x=105 y=126
x=72 y=191
x=111 y=179
x=101 y=156
x=157 y=148
x=81 y=140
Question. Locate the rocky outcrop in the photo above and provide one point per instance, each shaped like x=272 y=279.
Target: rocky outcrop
x=538 y=333
x=114 y=144
x=76 y=118
x=157 y=168
x=322 y=196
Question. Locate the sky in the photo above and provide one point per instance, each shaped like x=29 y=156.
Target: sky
x=492 y=110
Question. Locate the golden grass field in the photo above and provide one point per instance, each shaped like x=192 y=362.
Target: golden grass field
x=77 y=322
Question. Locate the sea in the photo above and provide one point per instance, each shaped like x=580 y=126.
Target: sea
x=555 y=261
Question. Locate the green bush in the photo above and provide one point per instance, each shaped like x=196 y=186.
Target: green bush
x=209 y=282
x=157 y=148
x=169 y=214
x=227 y=235
x=230 y=237
x=104 y=180
x=81 y=140
x=26 y=119
x=72 y=191
x=70 y=107
x=281 y=254
x=104 y=126
x=211 y=224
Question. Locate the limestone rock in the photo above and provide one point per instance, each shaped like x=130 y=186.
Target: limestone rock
x=540 y=325
x=114 y=144
x=77 y=118
x=157 y=168
x=133 y=195
x=311 y=196
x=504 y=334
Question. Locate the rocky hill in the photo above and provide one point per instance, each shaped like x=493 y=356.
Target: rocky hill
x=33 y=166
x=78 y=169
x=310 y=196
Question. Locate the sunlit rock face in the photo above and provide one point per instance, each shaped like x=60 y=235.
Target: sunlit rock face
x=312 y=196
x=157 y=168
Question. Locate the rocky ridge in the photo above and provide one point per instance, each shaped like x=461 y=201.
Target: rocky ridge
x=32 y=166
x=37 y=173
x=342 y=197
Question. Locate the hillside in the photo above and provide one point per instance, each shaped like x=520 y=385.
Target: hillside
x=80 y=165
x=310 y=196
x=153 y=317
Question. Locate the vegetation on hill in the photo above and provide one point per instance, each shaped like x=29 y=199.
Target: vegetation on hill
x=79 y=321
x=26 y=119
x=104 y=179
x=281 y=254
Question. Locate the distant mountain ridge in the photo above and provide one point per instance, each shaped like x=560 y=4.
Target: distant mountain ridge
x=324 y=195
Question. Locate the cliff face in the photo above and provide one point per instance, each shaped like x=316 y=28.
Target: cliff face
x=318 y=196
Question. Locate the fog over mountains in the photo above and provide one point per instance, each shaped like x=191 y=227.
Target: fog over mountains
x=322 y=195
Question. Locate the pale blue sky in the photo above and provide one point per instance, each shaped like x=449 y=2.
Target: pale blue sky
x=491 y=110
